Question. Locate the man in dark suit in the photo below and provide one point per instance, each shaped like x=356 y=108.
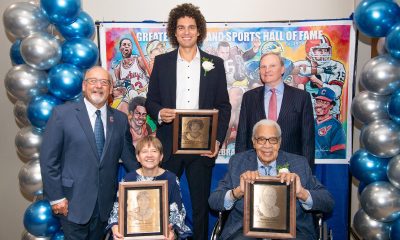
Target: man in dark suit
x=189 y=78
x=293 y=108
x=79 y=169
x=265 y=160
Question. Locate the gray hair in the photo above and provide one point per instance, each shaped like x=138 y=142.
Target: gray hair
x=269 y=123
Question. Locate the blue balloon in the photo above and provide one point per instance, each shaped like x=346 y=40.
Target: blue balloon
x=394 y=106
x=395 y=230
x=15 y=53
x=39 y=219
x=368 y=168
x=58 y=235
x=81 y=52
x=65 y=81
x=82 y=27
x=40 y=109
x=61 y=12
x=374 y=18
x=392 y=42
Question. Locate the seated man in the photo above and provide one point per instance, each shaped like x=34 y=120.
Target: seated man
x=264 y=160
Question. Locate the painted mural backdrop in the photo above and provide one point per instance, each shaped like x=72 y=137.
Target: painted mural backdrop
x=318 y=58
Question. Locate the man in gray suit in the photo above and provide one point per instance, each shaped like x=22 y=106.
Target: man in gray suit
x=79 y=155
x=249 y=165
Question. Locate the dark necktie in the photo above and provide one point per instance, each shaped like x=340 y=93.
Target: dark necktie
x=99 y=133
x=272 y=108
x=267 y=170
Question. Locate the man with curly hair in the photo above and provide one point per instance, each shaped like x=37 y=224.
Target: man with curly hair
x=189 y=78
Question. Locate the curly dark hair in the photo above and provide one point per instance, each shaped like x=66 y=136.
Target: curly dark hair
x=136 y=101
x=186 y=10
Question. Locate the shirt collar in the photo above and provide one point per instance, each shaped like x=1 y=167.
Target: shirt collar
x=279 y=88
x=197 y=56
x=259 y=163
x=92 y=109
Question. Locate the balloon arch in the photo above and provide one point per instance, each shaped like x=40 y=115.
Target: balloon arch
x=53 y=47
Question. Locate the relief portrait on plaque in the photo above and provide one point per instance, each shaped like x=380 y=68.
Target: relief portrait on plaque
x=196 y=132
x=269 y=207
x=143 y=211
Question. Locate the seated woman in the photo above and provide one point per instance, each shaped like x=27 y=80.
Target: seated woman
x=149 y=154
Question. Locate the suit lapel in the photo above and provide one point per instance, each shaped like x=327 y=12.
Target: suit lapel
x=253 y=165
x=83 y=118
x=260 y=108
x=110 y=129
x=286 y=104
x=172 y=76
x=203 y=83
x=280 y=161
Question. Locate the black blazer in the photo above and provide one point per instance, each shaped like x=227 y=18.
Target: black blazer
x=71 y=166
x=296 y=120
x=162 y=94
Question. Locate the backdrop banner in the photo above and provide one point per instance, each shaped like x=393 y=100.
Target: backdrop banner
x=318 y=57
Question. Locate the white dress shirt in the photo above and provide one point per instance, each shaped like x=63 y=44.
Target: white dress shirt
x=188 y=82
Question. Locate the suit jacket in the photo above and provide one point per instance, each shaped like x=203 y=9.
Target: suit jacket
x=71 y=166
x=247 y=161
x=295 y=119
x=162 y=94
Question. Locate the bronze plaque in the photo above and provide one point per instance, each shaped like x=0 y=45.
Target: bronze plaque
x=195 y=131
x=143 y=210
x=269 y=209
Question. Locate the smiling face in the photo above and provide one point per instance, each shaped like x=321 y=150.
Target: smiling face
x=149 y=157
x=271 y=70
x=186 y=32
x=94 y=91
x=266 y=152
x=322 y=107
x=139 y=116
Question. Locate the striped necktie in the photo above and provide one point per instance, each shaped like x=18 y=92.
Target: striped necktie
x=99 y=133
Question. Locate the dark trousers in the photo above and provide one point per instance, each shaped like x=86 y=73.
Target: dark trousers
x=198 y=172
x=92 y=230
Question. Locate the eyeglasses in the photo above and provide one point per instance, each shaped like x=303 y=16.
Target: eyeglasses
x=263 y=140
x=93 y=81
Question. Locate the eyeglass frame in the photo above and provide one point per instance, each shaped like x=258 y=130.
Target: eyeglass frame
x=265 y=140
x=102 y=81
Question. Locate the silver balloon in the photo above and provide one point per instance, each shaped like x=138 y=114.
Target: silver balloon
x=381 y=138
x=41 y=50
x=381 y=201
x=380 y=46
x=20 y=114
x=24 y=82
x=24 y=18
x=30 y=179
x=368 y=228
x=367 y=107
x=393 y=171
x=27 y=236
x=28 y=142
x=381 y=75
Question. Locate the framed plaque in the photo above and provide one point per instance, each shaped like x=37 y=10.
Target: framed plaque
x=269 y=209
x=143 y=209
x=195 y=131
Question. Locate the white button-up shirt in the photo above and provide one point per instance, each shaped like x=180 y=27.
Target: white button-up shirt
x=188 y=82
